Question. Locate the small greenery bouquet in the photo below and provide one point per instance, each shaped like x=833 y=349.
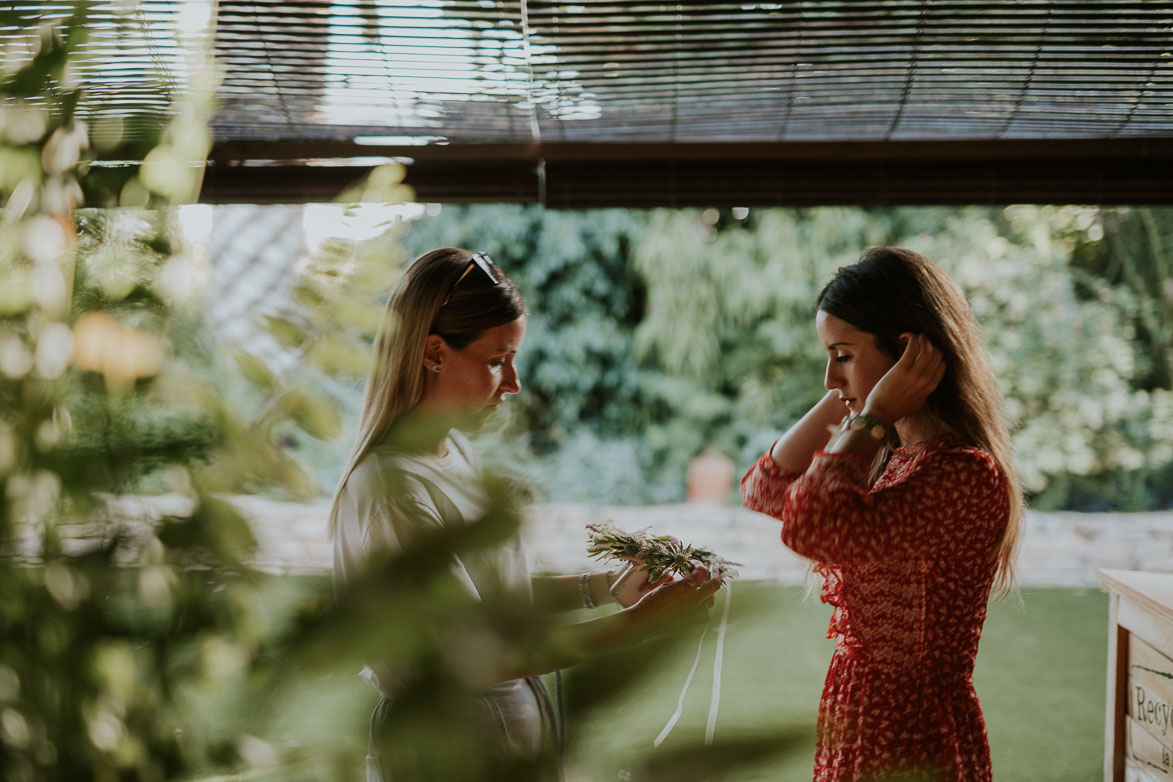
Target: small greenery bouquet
x=657 y=554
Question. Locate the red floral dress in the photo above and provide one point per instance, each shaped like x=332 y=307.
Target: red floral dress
x=907 y=565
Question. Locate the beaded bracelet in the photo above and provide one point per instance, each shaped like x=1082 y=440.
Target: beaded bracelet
x=584 y=587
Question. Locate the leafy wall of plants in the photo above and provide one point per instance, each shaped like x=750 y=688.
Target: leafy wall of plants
x=656 y=334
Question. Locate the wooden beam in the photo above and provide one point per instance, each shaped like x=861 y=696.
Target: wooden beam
x=585 y=175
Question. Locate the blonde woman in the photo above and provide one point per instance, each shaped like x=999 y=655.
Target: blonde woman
x=445 y=362
x=899 y=485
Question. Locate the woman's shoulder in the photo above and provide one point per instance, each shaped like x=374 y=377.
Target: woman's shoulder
x=458 y=448
x=951 y=456
x=390 y=475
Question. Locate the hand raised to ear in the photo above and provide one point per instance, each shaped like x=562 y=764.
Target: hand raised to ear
x=905 y=387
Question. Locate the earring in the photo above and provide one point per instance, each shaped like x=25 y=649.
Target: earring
x=435 y=368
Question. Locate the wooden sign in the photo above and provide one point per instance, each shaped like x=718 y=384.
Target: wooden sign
x=1138 y=736
x=1150 y=708
x=1136 y=773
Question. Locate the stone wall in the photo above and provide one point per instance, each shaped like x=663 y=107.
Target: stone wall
x=1059 y=549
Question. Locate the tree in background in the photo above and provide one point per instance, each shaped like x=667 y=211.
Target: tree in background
x=1124 y=259
x=656 y=334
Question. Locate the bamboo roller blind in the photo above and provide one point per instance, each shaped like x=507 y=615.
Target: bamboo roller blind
x=602 y=70
x=505 y=100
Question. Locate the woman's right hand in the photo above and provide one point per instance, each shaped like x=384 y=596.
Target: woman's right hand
x=678 y=603
x=906 y=386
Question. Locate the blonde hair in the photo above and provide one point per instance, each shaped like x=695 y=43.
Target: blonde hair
x=890 y=291
x=440 y=293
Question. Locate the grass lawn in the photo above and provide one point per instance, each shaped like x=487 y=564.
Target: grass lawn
x=1040 y=678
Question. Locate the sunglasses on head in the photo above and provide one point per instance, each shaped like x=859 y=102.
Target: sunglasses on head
x=480 y=261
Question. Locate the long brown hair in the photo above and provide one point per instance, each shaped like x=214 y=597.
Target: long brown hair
x=442 y=292
x=890 y=291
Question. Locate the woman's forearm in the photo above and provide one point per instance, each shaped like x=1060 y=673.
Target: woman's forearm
x=570 y=644
x=554 y=594
x=858 y=442
x=794 y=450
x=664 y=609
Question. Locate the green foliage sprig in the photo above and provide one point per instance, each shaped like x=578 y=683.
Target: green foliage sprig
x=657 y=554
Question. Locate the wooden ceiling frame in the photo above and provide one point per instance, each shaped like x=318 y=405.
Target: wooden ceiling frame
x=593 y=175
x=641 y=104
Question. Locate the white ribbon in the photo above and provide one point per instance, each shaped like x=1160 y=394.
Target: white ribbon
x=718 y=659
x=715 y=698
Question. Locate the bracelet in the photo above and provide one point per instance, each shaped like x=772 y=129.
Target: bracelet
x=874 y=426
x=584 y=587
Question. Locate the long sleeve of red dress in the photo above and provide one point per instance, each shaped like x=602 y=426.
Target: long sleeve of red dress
x=907 y=565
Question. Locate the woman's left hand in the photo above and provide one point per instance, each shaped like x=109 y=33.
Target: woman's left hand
x=905 y=387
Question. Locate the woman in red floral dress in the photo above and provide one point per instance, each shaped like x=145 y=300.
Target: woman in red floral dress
x=899 y=485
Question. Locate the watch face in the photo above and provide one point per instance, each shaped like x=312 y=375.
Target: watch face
x=874 y=428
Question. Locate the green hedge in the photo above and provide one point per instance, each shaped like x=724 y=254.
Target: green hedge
x=654 y=334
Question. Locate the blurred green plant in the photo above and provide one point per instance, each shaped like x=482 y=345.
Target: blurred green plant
x=137 y=641
x=94 y=400
x=324 y=322
x=109 y=384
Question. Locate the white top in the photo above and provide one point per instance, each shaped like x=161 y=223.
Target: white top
x=391 y=496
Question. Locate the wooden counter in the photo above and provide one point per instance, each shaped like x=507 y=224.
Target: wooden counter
x=1138 y=739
